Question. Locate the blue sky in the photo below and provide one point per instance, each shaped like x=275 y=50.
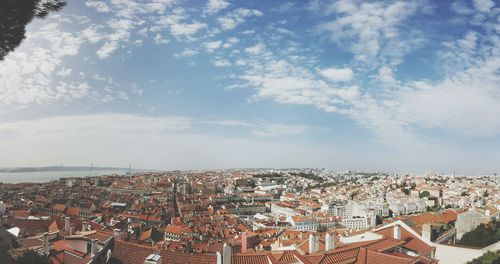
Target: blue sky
x=403 y=86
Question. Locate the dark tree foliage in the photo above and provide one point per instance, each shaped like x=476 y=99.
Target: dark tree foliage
x=483 y=235
x=268 y=175
x=487 y=258
x=16 y=14
x=309 y=176
x=424 y=194
x=30 y=257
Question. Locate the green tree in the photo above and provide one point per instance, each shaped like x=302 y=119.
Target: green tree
x=424 y=194
x=487 y=258
x=483 y=235
x=16 y=14
x=30 y=257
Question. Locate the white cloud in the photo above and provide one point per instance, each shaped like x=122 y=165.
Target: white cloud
x=386 y=75
x=469 y=41
x=105 y=122
x=248 y=32
x=91 y=34
x=221 y=63
x=337 y=74
x=462 y=53
x=99 y=6
x=106 y=49
x=348 y=94
x=284 y=7
x=112 y=139
x=237 y=17
x=372 y=29
x=64 y=72
x=214 y=6
x=159 y=39
x=256 y=49
x=230 y=42
x=125 y=17
x=35 y=73
x=281 y=129
x=465 y=102
x=186 y=30
x=461 y=7
x=240 y=62
x=264 y=129
x=227 y=22
x=483 y=5
x=170 y=142
x=186 y=53
x=212 y=45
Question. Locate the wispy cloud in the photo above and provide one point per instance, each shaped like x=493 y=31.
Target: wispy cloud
x=33 y=75
x=373 y=30
x=149 y=142
x=237 y=17
x=337 y=75
x=214 y=6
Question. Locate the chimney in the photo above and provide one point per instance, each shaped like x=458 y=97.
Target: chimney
x=46 y=244
x=313 y=243
x=84 y=227
x=244 y=242
x=94 y=248
x=227 y=252
x=427 y=232
x=330 y=241
x=3 y=219
x=67 y=224
x=397 y=232
x=219 y=258
x=71 y=229
x=117 y=233
x=153 y=259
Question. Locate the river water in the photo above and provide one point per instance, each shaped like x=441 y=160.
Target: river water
x=45 y=176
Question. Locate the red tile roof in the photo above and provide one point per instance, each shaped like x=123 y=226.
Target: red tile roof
x=173 y=229
x=372 y=257
x=412 y=242
x=30 y=226
x=131 y=253
x=253 y=258
x=59 y=207
x=73 y=211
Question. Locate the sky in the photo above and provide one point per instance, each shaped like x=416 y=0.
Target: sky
x=393 y=86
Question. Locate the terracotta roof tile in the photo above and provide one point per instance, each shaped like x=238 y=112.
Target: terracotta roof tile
x=253 y=258
x=130 y=253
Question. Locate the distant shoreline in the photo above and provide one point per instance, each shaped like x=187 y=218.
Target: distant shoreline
x=57 y=168
x=47 y=176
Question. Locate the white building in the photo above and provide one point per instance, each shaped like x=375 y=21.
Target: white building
x=304 y=223
x=279 y=209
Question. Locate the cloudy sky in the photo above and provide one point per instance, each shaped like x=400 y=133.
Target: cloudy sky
x=398 y=86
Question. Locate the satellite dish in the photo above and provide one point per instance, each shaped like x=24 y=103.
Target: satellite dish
x=14 y=231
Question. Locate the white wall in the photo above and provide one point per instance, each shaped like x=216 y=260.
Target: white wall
x=447 y=254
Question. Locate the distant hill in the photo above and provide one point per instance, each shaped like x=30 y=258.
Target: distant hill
x=58 y=168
